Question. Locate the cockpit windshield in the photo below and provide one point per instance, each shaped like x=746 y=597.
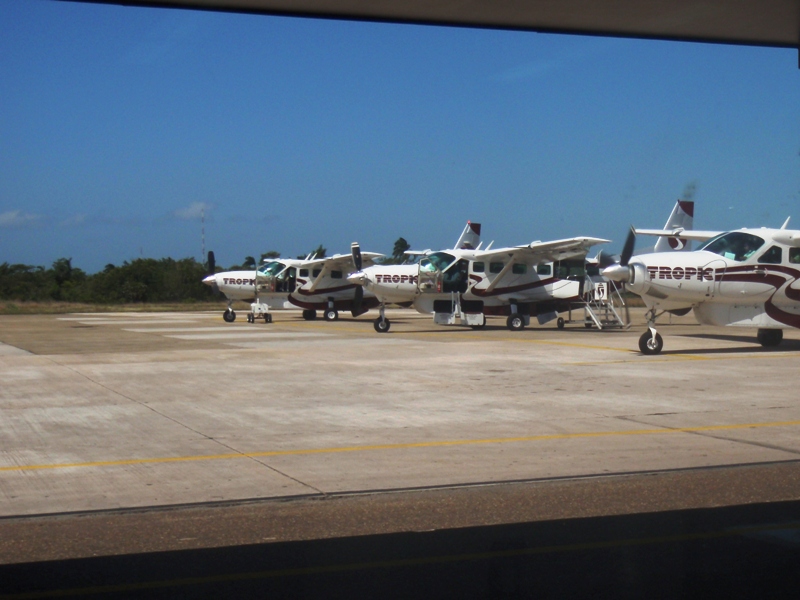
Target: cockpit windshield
x=735 y=245
x=438 y=261
x=271 y=269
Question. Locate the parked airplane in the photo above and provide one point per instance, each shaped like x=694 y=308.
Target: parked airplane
x=741 y=278
x=311 y=284
x=540 y=278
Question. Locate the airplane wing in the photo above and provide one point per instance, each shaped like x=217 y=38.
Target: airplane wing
x=681 y=233
x=341 y=262
x=539 y=252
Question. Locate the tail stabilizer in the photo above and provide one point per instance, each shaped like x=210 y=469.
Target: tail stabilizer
x=681 y=218
x=470 y=237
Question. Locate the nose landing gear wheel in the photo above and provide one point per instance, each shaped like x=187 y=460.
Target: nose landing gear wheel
x=648 y=345
x=560 y=323
x=515 y=322
x=229 y=316
x=382 y=325
x=331 y=315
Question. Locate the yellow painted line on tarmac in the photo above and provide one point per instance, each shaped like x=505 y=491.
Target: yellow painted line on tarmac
x=402 y=563
x=406 y=446
x=691 y=357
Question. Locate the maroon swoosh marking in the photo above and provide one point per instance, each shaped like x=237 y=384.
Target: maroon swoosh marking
x=776 y=276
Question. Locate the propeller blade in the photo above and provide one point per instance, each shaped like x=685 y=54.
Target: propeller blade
x=212 y=264
x=627 y=250
x=355 y=250
x=358 y=300
x=604 y=259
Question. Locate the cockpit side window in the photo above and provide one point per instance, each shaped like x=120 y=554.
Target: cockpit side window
x=735 y=245
x=794 y=256
x=773 y=256
x=436 y=261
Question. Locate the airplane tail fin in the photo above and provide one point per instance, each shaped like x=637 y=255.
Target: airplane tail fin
x=470 y=237
x=682 y=217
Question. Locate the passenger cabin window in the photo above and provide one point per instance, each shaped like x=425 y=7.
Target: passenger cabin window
x=794 y=256
x=478 y=267
x=495 y=267
x=303 y=272
x=519 y=269
x=545 y=269
x=336 y=274
x=734 y=245
x=316 y=272
x=773 y=256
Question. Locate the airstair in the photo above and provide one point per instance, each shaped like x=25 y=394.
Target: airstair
x=601 y=301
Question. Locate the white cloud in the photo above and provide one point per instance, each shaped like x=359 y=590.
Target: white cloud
x=193 y=211
x=17 y=218
x=73 y=221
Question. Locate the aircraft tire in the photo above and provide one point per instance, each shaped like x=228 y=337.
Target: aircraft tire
x=515 y=322
x=770 y=337
x=267 y=318
x=331 y=315
x=251 y=318
x=560 y=323
x=649 y=346
x=229 y=316
x=382 y=325
x=309 y=314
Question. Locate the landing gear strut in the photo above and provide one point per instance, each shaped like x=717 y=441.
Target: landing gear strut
x=382 y=323
x=651 y=341
x=331 y=313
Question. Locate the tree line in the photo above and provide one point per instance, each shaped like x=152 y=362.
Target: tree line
x=140 y=280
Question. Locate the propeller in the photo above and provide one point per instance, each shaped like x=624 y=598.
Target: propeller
x=358 y=299
x=620 y=271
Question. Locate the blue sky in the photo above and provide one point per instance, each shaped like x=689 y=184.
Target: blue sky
x=118 y=124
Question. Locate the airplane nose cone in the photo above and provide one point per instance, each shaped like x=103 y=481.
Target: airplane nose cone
x=358 y=278
x=618 y=273
x=210 y=280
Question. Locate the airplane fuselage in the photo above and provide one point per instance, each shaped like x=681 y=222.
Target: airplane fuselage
x=758 y=290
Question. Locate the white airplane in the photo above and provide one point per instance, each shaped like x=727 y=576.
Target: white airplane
x=467 y=281
x=311 y=284
x=741 y=278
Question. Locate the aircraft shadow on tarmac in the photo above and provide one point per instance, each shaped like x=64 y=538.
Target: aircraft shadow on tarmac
x=751 y=345
x=742 y=551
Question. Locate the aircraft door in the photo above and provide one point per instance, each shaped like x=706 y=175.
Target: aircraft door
x=440 y=273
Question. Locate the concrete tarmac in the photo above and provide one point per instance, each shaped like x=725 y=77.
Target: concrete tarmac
x=111 y=416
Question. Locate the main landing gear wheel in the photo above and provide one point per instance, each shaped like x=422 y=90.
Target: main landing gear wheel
x=309 y=314
x=515 y=322
x=229 y=316
x=770 y=337
x=251 y=318
x=382 y=325
x=648 y=345
x=560 y=323
x=267 y=318
x=331 y=315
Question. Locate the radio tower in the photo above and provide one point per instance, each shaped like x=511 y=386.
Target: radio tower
x=203 y=233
